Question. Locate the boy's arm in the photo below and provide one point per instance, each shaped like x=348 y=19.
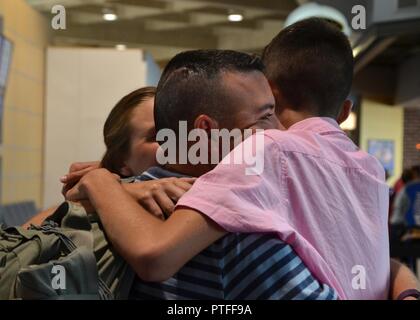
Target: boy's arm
x=155 y=249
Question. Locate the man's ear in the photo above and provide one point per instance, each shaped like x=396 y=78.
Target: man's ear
x=205 y=122
x=345 y=111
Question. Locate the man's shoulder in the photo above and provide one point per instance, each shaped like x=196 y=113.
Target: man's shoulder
x=254 y=262
x=242 y=240
x=243 y=248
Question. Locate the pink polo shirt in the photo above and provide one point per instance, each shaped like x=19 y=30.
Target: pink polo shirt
x=319 y=193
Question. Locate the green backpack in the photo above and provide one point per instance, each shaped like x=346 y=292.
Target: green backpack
x=67 y=257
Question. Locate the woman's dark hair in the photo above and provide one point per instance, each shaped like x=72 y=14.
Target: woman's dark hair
x=117 y=129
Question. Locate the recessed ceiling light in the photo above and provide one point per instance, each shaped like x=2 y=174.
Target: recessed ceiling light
x=110 y=16
x=121 y=47
x=235 y=17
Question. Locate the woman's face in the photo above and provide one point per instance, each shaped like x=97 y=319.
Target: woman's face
x=143 y=145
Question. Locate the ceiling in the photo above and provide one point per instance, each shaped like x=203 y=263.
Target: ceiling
x=387 y=69
x=165 y=27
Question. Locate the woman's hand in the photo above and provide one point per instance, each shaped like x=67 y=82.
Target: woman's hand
x=159 y=196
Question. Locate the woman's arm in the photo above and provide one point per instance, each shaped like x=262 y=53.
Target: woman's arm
x=40 y=217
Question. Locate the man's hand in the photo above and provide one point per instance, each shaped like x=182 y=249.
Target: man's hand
x=76 y=171
x=159 y=196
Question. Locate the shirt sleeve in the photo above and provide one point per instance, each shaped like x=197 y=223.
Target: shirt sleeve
x=241 y=196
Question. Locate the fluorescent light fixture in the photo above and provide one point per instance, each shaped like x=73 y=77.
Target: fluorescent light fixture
x=110 y=16
x=235 y=17
x=356 y=51
x=120 y=47
x=313 y=9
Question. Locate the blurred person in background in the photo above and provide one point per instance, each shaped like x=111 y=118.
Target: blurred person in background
x=406 y=210
x=405 y=178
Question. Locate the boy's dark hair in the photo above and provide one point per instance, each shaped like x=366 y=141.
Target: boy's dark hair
x=311 y=63
x=191 y=85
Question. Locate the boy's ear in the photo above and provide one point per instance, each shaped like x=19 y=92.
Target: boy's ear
x=345 y=111
x=278 y=98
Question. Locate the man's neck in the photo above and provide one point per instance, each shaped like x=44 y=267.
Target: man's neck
x=290 y=117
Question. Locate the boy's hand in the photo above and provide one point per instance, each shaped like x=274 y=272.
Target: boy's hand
x=76 y=171
x=159 y=196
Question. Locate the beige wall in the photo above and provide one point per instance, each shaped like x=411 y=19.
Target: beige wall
x=24 y=103
x=379 y=121
x=82 y=87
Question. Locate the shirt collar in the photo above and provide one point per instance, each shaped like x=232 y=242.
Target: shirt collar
x=321 y=125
